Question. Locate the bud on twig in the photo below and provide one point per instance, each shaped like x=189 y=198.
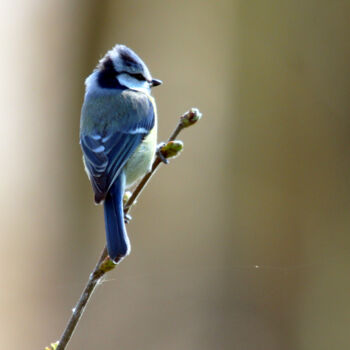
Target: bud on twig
x=172 y=149
x=190 y=117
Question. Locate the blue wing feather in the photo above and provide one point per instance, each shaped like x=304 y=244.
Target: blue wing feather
x=112 y=127
x=106 y=152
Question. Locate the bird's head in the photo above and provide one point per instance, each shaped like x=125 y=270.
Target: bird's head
x=122 y=68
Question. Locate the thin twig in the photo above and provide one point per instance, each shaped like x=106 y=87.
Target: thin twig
x=104 y=264
x=188 y=119
x=147 y=177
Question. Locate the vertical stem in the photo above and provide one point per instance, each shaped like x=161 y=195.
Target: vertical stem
x=85 y=296
x=104 y=264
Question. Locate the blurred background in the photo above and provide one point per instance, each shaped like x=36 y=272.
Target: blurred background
x=243 y=241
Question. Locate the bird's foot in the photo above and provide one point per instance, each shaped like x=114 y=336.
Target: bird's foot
x=160 y=154
x=127 y=218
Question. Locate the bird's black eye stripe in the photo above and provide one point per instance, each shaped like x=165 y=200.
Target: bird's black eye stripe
x=137 y=76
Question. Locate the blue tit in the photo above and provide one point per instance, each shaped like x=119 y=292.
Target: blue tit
x=118 y=136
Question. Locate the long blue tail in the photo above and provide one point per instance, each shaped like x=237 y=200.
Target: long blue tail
x=118 y=244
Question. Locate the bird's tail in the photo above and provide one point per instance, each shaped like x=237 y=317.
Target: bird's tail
x=118 y=244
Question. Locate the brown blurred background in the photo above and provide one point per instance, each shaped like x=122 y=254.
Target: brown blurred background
x=243 y=242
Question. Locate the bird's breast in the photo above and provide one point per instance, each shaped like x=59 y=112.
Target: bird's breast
x=141 y=160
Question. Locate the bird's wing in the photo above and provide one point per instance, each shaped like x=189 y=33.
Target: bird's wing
x=106 y=152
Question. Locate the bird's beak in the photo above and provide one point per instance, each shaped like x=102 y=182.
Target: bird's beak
x=156 y=82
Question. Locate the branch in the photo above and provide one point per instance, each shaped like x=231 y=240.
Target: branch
x=105 y=264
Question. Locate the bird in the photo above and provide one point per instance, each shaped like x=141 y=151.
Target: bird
x=118 y=136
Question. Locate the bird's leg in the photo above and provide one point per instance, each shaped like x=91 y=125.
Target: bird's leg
x=160 y=154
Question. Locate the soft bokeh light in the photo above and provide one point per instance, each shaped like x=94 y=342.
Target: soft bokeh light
x=243 y=241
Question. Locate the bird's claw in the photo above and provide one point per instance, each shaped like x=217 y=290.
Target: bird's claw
x=160 y=154
x=127 y=218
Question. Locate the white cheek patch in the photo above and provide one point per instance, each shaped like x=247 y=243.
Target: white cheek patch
x=133 y=83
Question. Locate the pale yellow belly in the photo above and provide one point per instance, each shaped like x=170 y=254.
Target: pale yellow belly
x=141 y=161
